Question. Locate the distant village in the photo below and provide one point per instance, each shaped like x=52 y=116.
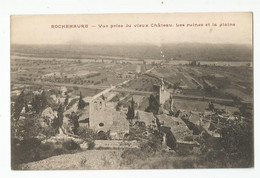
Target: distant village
x=142 y=109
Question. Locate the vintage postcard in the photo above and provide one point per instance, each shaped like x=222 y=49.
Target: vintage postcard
x=132 y=91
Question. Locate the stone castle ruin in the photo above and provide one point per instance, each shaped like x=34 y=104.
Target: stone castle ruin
x=161 y=93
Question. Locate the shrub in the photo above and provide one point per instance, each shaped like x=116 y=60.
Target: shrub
x=48 y=131
x=59 y=151
x=91 y=145
x=46 y=147
x=86 y=134
x=28 y=128
x=70 y=145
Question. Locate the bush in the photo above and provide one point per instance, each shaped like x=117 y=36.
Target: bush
x=70 y=145
x=28 y=128
x=236 y=139
x=59 y=151
x=150 y=144
x=48 y=131
x=103 y=135
x=46 y=147
x=26 y=151
x=91 y=145
x=86 y=134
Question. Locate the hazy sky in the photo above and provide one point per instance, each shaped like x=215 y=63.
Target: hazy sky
x=37 y=29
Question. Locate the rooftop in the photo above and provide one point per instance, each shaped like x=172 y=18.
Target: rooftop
x=178 y=127
x=146 y=117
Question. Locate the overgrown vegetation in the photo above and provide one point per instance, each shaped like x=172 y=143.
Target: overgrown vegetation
x=29 y=133
x=150 y=143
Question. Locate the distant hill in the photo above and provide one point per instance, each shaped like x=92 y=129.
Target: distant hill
x=181 y=51
x=208 y=52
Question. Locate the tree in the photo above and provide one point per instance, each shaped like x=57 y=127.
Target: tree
x=118 y=106
x=74 y=119
x=66 y=102
x=131 y=110
x=18 y=106
x=48 y=131
x=103 y=97
x=60 y=116
x=246 y=111
x=26 y=107
x=39 y=102
x=55 y=124
x=43 y=99
x=81 y=103
x=133 y=106
x=129 y=113
x=211 y=106
x=36 y=104
x=29 y=128
x=237 y=140
x=153 y=105
x=193 y=63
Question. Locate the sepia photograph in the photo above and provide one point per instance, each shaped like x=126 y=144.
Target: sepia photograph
x=132 y=91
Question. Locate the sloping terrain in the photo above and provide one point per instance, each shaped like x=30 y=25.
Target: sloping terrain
x=91 y=159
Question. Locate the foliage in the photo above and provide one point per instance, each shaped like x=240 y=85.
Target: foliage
x=74 y=120
x=211 y=106
x=118 y=106
x=58 y=121
x=246 y=111
x=193 y=63
x=236 y=139
x=36 y=106
x=66 y=102
x=28 y=128
x=39 y=102
x=26 y=107
x=70 y=145
x=27 y=145
x=81 y=103
x=34 y=150
x=153 y=105
x=153 y=143
x=18 y=106
x=149 y=145
x=60 y=115
x=48 y=131
x=44 y=102
x=131 y=111
x=86 y=134
x=171 y=140
x=101 y=135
